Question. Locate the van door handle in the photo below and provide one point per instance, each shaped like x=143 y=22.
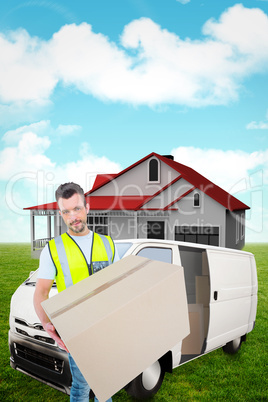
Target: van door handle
x=215 y=295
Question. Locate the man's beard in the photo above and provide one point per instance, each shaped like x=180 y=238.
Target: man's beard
x=77 y=229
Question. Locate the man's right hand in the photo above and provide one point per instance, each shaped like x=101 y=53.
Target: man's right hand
x=41 y=294
x=51 y=330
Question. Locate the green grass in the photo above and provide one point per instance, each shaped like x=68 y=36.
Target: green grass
x=214 y=377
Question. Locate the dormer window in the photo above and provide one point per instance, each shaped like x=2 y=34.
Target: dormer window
x=196 y=200
x=154 y=170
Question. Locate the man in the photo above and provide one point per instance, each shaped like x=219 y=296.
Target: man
x=68 y=259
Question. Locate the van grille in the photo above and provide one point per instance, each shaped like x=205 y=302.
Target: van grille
x=46 y=361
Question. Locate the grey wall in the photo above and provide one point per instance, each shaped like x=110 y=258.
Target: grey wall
x=234 y=238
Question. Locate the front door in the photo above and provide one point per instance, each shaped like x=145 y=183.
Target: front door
x=155 y=230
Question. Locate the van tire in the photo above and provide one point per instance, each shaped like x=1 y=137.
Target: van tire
x=233 y=346
x=147 y=383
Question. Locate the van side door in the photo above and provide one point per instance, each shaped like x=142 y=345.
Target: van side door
x=230 y=296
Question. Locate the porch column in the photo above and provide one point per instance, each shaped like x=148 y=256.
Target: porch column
x=49 y=226
x=32 y=230
x=57 y=230
x=135 y=224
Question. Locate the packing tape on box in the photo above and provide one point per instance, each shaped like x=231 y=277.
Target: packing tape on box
x=99 y=290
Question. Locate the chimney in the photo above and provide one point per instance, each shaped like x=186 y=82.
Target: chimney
x=169 y=157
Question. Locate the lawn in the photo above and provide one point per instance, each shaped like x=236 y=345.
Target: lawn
x=213 y=377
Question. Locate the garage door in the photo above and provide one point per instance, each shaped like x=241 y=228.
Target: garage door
x=198 y=234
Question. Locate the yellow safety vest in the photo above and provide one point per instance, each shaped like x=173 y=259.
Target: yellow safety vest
x=71 y=264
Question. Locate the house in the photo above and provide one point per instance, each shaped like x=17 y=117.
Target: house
x=155 y=197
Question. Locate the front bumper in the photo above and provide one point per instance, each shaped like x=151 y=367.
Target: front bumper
x=44 y=362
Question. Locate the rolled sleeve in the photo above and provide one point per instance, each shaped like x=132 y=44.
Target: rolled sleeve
x=46 y=266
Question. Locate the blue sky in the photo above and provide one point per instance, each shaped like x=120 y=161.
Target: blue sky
x=93 y=86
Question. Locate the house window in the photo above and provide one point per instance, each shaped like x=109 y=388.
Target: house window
x=154 y=170
x=196 y=200
x=98 y=223
x=242 y=226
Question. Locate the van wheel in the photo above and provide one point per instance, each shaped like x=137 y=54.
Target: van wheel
x=147 y=383
x=233 y=346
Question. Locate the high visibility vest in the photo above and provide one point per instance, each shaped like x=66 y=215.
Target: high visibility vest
x=71 y=264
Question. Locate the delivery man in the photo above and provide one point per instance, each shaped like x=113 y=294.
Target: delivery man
x=68 y=259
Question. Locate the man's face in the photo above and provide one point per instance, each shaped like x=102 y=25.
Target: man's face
x=74 y=214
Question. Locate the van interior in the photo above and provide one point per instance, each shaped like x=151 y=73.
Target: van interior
x=196 y=272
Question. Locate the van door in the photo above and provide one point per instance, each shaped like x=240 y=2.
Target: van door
x=230 y=296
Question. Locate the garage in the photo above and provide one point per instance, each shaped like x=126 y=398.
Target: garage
x=198 y=234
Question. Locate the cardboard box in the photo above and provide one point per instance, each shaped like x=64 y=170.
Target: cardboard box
x=121 y=320
x=192 y=344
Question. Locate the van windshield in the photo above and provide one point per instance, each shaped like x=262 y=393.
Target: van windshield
x=122 y=248
x=32 y=278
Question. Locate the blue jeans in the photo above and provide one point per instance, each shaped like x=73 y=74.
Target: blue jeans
x=80 y=388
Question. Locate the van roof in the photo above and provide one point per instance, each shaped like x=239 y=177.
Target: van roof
x=181 y=243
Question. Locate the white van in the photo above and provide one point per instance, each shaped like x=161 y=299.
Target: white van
x=221 y=287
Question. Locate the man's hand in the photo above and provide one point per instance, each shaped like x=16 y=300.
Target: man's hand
x=51 y=330
x=41 y=293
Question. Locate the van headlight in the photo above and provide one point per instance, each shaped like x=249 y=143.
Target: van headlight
x=11 y=323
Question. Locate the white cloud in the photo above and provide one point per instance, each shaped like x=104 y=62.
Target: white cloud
x=253 y=125
x=28 y=160
x=26 y=73
x=151 y=66
x=243 y=28
x=183 y=1
x=261 y=125
x=27 y=156
x=15 y=226
x=242 y=174
x=14 y=136
x=84 y=170
x=231 y=170
x=67 y=129
x=29 y=177
x=22 y=111
x=40 y=128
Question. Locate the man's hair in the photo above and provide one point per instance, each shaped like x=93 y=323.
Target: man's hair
x=67 y=190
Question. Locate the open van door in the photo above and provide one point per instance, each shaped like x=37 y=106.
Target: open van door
x=231 y=288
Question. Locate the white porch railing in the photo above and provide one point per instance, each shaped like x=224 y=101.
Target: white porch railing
x=38 y=244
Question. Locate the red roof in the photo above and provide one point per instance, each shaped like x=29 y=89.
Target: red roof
x=115 y=203
x=196 y=179
x=102 y=179
x=44 y=207
x=137 y=202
